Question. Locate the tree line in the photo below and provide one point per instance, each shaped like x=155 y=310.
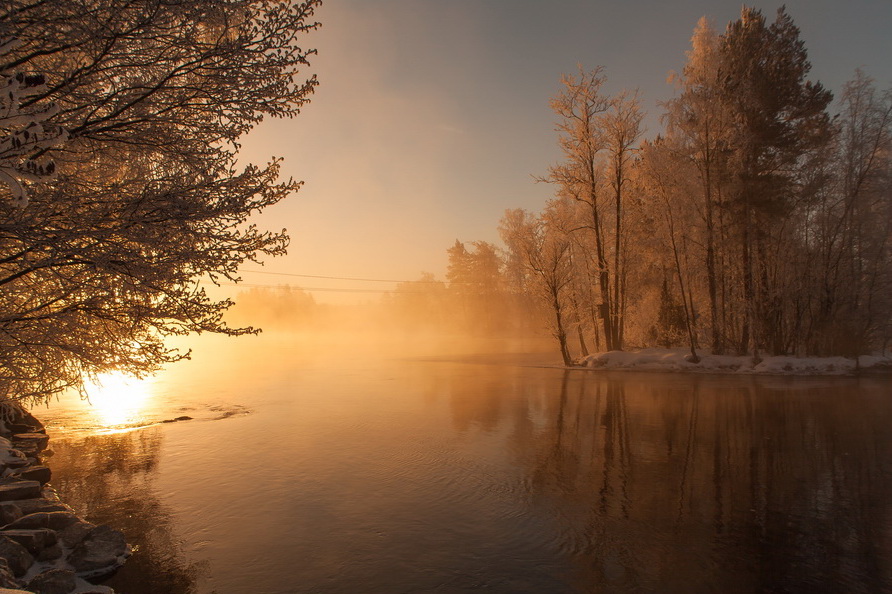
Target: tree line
x=757 y=221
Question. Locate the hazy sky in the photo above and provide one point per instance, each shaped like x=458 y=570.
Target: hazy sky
x=432 y=115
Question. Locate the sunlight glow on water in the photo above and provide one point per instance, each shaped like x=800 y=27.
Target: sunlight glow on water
x=118 y=399
x=478 y=473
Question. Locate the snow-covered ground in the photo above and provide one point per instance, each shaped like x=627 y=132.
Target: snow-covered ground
x=656 y=359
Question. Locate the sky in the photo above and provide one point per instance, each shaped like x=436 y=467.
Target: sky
x=432 y=117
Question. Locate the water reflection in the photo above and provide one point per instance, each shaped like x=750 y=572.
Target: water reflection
x=459 y=475
x=111 y=479
x=116 y=399
x=698 y=484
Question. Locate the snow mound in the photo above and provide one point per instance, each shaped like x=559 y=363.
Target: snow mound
x=656 y=359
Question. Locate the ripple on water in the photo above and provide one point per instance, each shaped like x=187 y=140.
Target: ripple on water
x=73 y=422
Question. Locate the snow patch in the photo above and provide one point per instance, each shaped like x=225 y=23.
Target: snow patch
x=679 y=359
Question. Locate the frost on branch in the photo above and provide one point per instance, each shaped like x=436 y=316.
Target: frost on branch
x=25 y=133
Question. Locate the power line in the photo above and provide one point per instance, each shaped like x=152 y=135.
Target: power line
x=346 y=278
x=365 y=280
x=311 y=289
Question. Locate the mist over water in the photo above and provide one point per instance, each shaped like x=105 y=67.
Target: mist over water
x=360 y=462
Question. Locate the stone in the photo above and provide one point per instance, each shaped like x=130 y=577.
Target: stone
x=9 y=512
x=182 y=418
x=56 y=520
x=33 y=539
x=28 y=448
x=50 y=494
x=7 y=580
x=75 y=533
x=41 y=474
x=22 y=417
x=39 y=439
x=12 y=489
x=54 y=581
x=85 y=587
x=15 y=428
x=102 y=551
x=30 y=506
x=50 y=553
x=17 y=556
x=12 y=458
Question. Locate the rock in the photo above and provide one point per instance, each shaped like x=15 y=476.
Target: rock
x=20 y=416
x=15 y=428
x=9 y=512
x=7 y=580
x=17 y=556
x=85 y=587
x=102 y=551
x=33 y=539
x=12 y=458
x=12 y=489
x=38 y=439
x=50 y=553
x=41 y=474
x=75 y=533
x=54 y=581
x=30 y=506
x=28 y=448
x=50 y=494
x=56 y=520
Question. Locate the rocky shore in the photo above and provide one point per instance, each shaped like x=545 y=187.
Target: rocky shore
x=45 y=548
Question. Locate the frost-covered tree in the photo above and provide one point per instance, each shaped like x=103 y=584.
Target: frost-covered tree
x=24 y=131
x=148 y=198
x=779 y=120
x=750 y=125
x=849 y=229
x=477 y=285
x=598 y=136
x=541 y=242
x=697 y=131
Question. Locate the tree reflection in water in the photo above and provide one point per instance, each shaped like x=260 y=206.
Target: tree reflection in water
x=109 y=479
x=463 y=476
x=696 y=484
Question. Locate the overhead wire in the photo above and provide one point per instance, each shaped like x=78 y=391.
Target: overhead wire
x=312 y=289
x=332 y=289
x=346 y=278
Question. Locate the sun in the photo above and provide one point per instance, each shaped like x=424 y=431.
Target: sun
x=118 y=399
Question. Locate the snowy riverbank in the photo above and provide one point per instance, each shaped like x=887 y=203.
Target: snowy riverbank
x=44 y=546
x=678 y=359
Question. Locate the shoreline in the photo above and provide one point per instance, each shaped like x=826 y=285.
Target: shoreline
x=677 y=360
x=44 y=545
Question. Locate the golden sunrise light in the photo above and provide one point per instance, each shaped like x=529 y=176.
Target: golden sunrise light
x=445 y=296
x=118 y=399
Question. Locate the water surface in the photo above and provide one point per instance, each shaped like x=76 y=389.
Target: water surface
x=310 y=469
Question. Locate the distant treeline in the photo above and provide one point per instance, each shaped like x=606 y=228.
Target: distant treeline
x=272 y=307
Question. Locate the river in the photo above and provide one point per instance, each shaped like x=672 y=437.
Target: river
x=321 y=468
